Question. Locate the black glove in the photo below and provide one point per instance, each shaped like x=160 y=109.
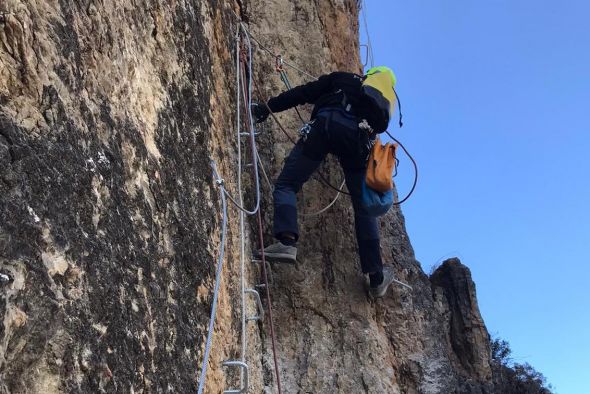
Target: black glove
x=260 y=111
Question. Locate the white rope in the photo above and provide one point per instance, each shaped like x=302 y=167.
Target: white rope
x=251 y=121
x=244 y=337
x=327 y=206
x=269 y=183
x=209 y=341
x=251 y=131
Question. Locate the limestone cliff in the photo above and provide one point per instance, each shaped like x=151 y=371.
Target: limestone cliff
x=110 y=112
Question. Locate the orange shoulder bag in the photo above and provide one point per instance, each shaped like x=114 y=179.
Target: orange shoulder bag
x=380 y=166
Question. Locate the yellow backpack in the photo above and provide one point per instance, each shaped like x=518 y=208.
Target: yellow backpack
x=379 y=86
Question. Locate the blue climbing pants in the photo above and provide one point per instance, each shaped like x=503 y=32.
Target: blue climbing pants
x=333 y=131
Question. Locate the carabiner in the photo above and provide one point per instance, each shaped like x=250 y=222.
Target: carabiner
x=278 y=63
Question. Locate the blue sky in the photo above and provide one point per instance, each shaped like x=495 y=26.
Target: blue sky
x=496 y=101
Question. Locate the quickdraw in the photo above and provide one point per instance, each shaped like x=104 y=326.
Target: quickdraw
x=281 y=70
x=305 y=129
x=279 y=63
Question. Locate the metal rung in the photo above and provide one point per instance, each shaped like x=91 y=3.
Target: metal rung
x=247 y=134
x=248 y=165
x=244 y=367
x=260 y=315
x=403 y=284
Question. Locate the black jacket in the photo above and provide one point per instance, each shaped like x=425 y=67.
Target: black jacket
x=338 y=89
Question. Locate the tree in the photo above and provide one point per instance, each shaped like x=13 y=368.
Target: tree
x=514 y=377
x=500 y=351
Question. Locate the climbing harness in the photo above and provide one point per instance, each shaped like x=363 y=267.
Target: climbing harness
x=282 y=128
x=366 y=127
x=322 y=179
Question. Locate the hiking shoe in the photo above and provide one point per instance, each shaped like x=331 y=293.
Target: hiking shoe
x=388 y=278
x=278 y=252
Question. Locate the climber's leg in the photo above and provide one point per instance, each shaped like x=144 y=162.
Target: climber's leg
x=296 y=171
x=303 y=160
x=367 y=236
x=352 y=150
x=366 y=227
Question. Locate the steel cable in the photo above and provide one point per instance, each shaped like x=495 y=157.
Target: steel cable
x=243 y=334
x=415 y=170
x=209 y=341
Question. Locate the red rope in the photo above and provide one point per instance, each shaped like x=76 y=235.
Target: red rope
x=260 y=235
x=264 y=274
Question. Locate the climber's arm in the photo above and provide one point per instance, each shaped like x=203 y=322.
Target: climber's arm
x=303 y=94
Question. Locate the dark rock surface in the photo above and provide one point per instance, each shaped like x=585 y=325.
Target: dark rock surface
x=104 y=173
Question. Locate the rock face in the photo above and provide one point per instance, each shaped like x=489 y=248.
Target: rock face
x=468 y=336
x=110 y=113
x=108 y=220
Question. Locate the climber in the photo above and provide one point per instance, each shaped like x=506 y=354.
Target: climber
x=344 y=122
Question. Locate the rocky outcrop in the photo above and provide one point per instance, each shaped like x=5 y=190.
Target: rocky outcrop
x=468 y=336
x=110 y=113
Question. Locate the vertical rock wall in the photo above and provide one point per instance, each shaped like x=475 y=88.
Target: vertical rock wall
x=110 y=113
x=109 y=225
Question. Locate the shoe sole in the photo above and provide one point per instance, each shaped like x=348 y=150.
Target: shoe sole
x=374 y=296
x=381 y=294
x=277 y=258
